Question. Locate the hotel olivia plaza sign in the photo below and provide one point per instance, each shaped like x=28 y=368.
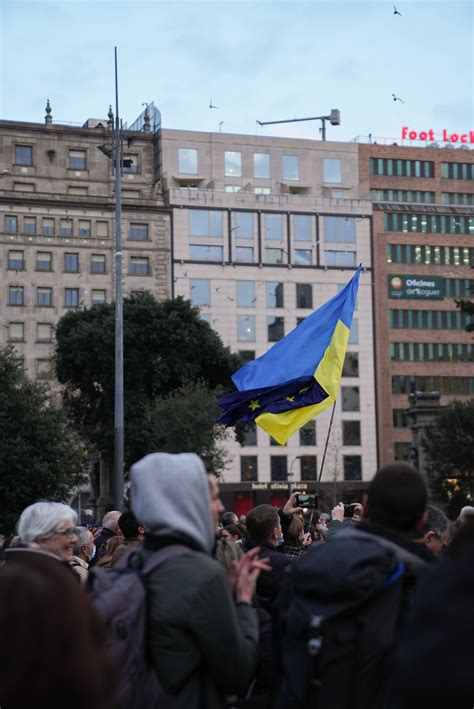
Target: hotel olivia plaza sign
x=445 y=137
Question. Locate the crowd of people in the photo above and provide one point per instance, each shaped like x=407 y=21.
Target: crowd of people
x=366 y=605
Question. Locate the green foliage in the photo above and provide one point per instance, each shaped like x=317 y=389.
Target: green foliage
x=39 y=454
x=467 y=307
x=449 y=448
x=168 y=349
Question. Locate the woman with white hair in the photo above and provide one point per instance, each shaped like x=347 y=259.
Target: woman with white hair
x=46 y=528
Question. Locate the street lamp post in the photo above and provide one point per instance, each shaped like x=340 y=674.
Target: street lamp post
x=118 y=409
x=290 y=474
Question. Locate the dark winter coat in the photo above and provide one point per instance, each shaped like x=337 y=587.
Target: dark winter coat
x=202 y=644
x=269 y=582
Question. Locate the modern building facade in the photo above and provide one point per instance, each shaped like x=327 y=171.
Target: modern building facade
x=264 y=230
x=423 y=227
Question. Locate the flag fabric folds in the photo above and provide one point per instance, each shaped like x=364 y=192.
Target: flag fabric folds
x=299 y=376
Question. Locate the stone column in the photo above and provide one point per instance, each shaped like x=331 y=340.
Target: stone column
x=423 y=408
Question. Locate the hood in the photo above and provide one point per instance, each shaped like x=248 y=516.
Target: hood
x=170 y=497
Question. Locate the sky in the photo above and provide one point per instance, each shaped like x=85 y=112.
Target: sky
x=261 y=60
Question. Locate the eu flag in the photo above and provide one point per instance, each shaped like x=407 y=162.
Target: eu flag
x=299 y=376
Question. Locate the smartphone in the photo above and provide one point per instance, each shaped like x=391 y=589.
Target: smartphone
x=348 y=511
x=307 y=500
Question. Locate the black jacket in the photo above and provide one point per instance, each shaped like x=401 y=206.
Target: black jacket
x=269 y=582
x=434 y=661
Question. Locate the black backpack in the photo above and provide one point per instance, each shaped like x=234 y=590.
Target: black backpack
x=338 y=623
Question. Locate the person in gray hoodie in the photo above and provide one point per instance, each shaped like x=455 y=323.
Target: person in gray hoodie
x=202 y=631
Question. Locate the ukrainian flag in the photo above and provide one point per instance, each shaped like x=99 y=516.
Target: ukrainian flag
x=299 y=376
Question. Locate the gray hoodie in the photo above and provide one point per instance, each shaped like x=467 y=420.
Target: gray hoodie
x=170 y=495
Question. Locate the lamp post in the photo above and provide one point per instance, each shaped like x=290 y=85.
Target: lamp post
x=290 y=474
x=118 y=410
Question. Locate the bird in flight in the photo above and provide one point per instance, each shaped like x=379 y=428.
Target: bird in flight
x=397 y=98
x=395 y=11
x=211 y=105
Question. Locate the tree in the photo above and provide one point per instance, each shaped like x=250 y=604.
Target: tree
x=449 y=444
x=40 y=457
x=168 y=352
x=467 y=307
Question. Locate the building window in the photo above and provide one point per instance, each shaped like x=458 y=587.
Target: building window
x=71 y=298
x=44 y=297
x=352 y=467
x=246 y=328
x=261 y=166
x=65 y=228
x=262 y=190
x=102 y=229
x=97 y=263
x=139 y=266
x=290 y=168
x=23 y=155
x=16 y=332
x=304 y=295
x=16 y=295
x=308 y=434
x=401 y=451
x=244 y=254
x=340 y=230
x=77 y=159
x=278 y=467
x=428 y=223
x=302 y=257
x=250 y=435
x=274 y=227
x=44 y=369
x=302 y=227
x=401 y=168
x=350 y=398
x=245 y=294
x=246 y=355
x=138 y=232
x=232 y=164
x=203 y=222
x=199 y=252
x=130 y=164
x=457 y=171
x=29 y=225
x=84 y=227
x=47 y=227
x=332 y=171
x=340 y=258
x=354 y=332
x=16 y=261
x=43 y=261
x=275 y=328
x=243 y=225
x=44 y=332
x=248 y=468
x=400 y=418
x=11 y=224
x=351 y=433
x=232 y=188
x=275 y=295
x=309 y=467
x=274 y=256
x=71 y=263
x=201 y=292
x=98 y=297
x=187 y=161
x=351 y=365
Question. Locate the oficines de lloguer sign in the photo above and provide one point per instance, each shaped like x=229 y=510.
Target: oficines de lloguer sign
x=416 y=287
x=445 y=136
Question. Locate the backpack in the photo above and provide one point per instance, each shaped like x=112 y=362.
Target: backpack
x=338 y=623
x=119 y=596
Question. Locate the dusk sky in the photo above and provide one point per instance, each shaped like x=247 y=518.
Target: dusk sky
x=258 y=59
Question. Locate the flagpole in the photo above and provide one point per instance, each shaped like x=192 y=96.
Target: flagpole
x=327 y=443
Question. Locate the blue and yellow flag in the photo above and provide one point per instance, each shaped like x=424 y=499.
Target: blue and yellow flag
x=299 y=376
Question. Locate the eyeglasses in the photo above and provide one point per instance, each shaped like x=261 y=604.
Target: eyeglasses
x=71 y=532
